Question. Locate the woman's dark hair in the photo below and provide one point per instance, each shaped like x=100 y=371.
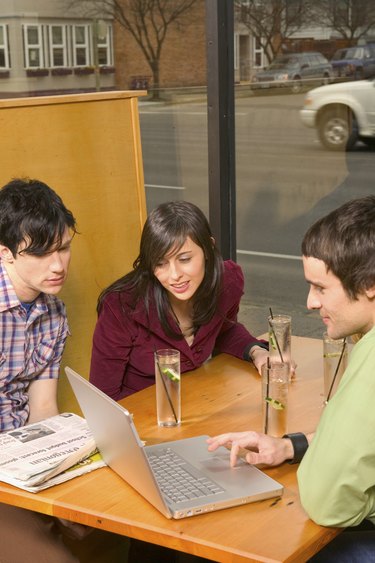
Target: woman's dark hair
x=166 y=230
x=31 y=212
x=345 y=241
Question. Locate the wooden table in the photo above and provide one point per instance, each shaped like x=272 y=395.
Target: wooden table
x=222 y=395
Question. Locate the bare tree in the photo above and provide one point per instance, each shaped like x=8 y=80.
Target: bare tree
x=273 y=21
x=351 y=19
x=147 y=21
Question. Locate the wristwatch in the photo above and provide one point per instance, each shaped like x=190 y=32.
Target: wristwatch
x=300 y=445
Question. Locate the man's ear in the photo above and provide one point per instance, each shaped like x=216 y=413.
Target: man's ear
x=6 y=254
x=370 y=292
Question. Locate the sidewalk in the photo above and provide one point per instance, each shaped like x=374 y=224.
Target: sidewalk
x=194 y=94
x=304 y=322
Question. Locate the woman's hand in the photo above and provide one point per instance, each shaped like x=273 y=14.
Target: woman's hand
x=263 y=449
x=259 y=357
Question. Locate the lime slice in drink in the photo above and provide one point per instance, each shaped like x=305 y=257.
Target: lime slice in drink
x=171 y=374
x=272 y=341
x=275 y=404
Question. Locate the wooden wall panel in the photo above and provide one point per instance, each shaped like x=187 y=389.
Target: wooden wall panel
x=87 y=148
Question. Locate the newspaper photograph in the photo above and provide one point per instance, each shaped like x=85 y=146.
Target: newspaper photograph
x=32 y=454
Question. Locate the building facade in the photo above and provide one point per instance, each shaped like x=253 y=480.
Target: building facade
x=53 y=48
x=183 y=54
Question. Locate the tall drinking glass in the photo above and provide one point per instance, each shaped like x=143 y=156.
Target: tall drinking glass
x=279 y=335
x=335 y=360
x=275 y=385
x=168 y=387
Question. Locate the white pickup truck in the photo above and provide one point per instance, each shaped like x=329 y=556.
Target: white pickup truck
x=342 y=113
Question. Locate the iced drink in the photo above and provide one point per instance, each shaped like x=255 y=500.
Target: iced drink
x=279 y=336
x=168 y=387
x=275 y=383
x=333 y=366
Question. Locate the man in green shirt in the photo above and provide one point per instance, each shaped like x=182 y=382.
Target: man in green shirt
x=336 y=477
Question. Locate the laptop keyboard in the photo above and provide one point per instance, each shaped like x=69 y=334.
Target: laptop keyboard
x=179 y=480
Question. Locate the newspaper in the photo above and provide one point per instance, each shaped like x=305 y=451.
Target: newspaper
x=43 y=454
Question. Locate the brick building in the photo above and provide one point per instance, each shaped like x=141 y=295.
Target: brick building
x=183 y=55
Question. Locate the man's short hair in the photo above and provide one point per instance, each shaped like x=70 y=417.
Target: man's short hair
x=345 y=241
x=32 y=213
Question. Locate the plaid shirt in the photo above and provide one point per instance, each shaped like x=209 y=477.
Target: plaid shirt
x=30 y=348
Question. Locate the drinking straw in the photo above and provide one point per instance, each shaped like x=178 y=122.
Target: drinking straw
x=277 y=342
x=166 y=390
x=267 y=395
x=336 y=371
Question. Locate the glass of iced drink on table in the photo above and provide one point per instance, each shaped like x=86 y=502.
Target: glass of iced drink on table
x=275 y=385
x=335 y=360
x=279 y=335
x=168 y=387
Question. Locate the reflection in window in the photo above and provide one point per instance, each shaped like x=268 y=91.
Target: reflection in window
x=33 y=46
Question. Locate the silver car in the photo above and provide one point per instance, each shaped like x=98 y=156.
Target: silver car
x=342 y=113
x=293 y=70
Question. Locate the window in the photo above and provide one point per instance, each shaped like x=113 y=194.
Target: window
x=105 y=56
x=293 y=13
x=81 y=56
x=57 y=45
x=258 y=53
x=236 y=49
x=33 y=46
x=245 y=8
x=4 y=49
x=340 y=10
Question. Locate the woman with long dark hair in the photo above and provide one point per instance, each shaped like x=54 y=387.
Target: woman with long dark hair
x=180 y=294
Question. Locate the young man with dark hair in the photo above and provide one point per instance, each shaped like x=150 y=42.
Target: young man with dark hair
x=36 y=230
x=337 y=474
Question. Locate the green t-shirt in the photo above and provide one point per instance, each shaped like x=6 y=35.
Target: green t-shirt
x=337 y=474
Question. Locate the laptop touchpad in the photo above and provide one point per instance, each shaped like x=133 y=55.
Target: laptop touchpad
x=220 y=462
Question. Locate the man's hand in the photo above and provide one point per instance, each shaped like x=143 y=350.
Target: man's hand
x=263 y=449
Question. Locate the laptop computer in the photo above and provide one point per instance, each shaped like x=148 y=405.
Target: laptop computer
x=212 y=483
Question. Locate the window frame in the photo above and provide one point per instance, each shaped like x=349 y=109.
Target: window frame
x=258 y=53
x=293 y=15
x=85 y=45
x=28 y=46
x=236 y=55
x=106 y=44
x=341 y=12
x=53 y=46
x=5 y=47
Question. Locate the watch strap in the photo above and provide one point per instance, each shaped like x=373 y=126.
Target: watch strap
x=300 y=445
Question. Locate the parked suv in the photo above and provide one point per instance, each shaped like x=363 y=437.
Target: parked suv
x=293 y=70
x=354 y=62
x=342 y=113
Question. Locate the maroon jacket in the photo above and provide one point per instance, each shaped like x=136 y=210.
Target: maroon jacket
x=125 y=339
